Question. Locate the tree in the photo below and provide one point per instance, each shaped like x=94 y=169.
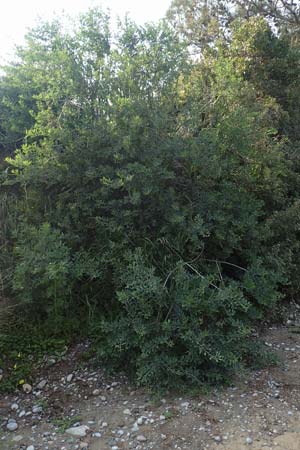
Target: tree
x=203 y=22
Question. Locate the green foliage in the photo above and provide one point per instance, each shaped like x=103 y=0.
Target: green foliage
x=64 y=423
x=190 y=332
x=40 y=279
x=153 y=197
x=22 y=351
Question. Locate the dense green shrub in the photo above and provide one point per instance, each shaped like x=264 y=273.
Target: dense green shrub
x=184 y=329
x=156 y=194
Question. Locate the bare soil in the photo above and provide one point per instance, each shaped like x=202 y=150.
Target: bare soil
x=260 y=411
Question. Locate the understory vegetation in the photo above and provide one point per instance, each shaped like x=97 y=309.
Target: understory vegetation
x=149 y=188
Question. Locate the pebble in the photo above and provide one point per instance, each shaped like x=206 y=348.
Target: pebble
x=17 y=438
x=27 y=388
x=42 y=384
x=141 y=438
x=31 y=447
x=97 y=434
x=69 y=378
x=14 y=406
x=127 y=412
x=12 y=425
x=185 y=405
x=96 y=392
x=78 y=431
x=249 y=440
x=135 y=428
x=37 y=409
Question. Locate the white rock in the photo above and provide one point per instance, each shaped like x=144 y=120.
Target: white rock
x=185 y=404
x=218 y=438
x=83 y=445
x=42 y=384
x=127 y=412
x=96 y=392
x=140 y=421
x=30 y=447
x=14 y=406
x=17 y=438
x=97 y=434
x=78 y=431
x=12 y=426
x=70 y=378
x=135 y=428
x=27 y=388
x=141 y=438
x=22 y=413
x=37 y=409
x=249 y=440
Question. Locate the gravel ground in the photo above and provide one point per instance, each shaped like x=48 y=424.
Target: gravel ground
x=72 y=407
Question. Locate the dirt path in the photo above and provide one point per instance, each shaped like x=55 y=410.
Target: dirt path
x=260 y=413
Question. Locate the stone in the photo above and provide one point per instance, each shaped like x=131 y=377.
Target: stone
x=42 y=384
x=17 y=438
x=96 y=392
x=69 y=378
x=135 y=428
x=97 y=434
x=78 y=431
x=140 y=421
x=249 y=440
x=30 y=447
x=83 y=445
x=12 y=425
x=27 y=388
x=14 y=406
x=185 y=405
x=127 y=412
x=141 y=438
x=37 y=409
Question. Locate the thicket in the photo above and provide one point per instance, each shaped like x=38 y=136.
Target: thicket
x=150 y=196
